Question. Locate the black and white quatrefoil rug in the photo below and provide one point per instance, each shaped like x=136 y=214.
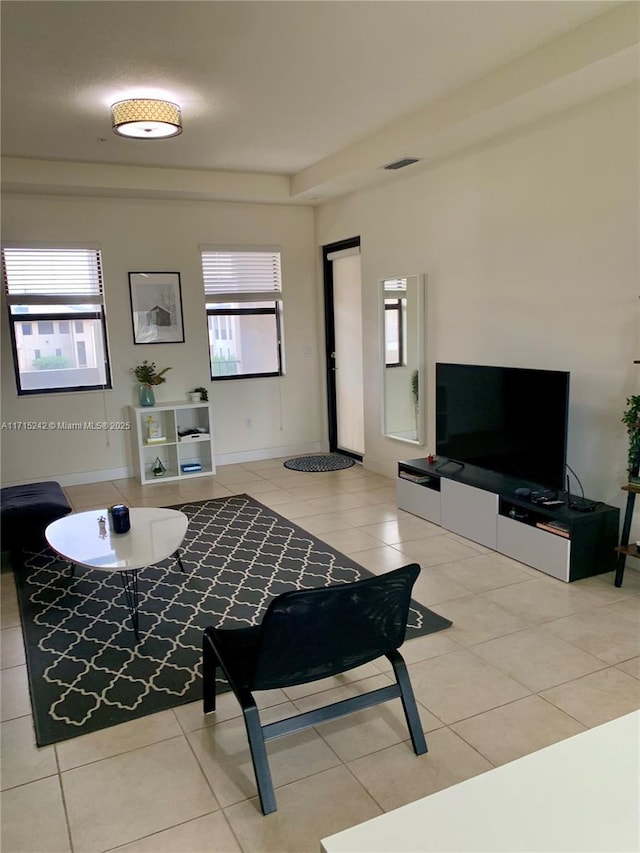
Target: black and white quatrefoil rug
x=86 y=671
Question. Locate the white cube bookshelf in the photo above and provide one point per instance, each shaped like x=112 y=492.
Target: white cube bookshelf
x=179 y=434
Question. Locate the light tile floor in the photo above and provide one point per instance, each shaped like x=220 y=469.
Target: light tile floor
x=529 y=661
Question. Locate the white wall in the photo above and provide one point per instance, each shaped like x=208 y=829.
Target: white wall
x=530 y=248
x=148 y=235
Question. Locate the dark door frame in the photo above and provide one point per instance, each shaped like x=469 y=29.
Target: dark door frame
x=330 y=339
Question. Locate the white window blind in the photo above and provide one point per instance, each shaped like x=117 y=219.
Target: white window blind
x=66 y=275
x=227 y=272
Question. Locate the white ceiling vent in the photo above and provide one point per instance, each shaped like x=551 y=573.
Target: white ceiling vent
x=400 y=164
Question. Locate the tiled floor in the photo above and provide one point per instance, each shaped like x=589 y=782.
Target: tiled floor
x=528 y=661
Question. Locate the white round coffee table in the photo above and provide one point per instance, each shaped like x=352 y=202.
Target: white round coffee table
x=87 y=539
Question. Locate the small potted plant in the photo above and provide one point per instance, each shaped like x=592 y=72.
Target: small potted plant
x=631 y=418
x=148 y=376
x=199 y=394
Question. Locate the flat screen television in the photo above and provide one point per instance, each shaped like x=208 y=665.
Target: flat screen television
x=509 y=420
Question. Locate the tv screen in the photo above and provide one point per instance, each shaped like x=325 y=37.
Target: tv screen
x=510 y=420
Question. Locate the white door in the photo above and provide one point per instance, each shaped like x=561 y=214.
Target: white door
x=347 y=352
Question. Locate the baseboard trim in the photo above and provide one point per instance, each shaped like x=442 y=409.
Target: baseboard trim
x=78 y=478
x=268 y=453
x=81 y=478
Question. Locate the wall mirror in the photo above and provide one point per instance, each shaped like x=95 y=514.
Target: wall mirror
x=402 y=357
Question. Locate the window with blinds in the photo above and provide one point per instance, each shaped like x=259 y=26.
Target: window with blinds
x=243 y=293
x=46 y=288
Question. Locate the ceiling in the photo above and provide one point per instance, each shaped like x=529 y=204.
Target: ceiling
x=289 y=101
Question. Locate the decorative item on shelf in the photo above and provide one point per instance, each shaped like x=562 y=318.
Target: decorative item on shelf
x=154 y=431
x=158 y=469
x=192 y=433
x=146 y=395
x=631 y=418
x=199 y=394
x=148 y=376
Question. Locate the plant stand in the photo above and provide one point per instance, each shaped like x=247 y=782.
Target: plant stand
x=623 y=549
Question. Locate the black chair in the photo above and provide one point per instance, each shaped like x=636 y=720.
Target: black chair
x=310 y=634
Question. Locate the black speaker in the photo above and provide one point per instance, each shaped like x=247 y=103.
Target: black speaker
x=587 y=506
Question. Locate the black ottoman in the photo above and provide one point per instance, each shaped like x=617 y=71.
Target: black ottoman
x=26 y=511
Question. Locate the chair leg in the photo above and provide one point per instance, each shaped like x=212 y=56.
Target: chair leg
x=208 y=677
x=259 y=758
x=409 y=703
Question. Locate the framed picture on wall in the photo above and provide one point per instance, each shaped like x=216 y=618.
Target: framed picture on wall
x=156 y=307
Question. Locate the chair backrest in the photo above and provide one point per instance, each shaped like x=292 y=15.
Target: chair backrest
x=315 y=633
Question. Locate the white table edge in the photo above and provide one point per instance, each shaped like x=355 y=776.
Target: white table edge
x=575 y=795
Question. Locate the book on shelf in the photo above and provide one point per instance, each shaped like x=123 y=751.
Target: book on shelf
x=156 y=439
x=557 y=527
x=414 y=478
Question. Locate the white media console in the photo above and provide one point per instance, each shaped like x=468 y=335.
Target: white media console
x=484 y=507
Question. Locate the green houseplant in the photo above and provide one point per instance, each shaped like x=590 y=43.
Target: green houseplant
x=204 y=394
x=631 y=418
x=148 y=375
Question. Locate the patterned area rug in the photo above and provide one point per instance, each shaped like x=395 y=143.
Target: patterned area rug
x=319 y=462
x=86 y=671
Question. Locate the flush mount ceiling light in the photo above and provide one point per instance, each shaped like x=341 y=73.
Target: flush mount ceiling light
x=144 y=118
